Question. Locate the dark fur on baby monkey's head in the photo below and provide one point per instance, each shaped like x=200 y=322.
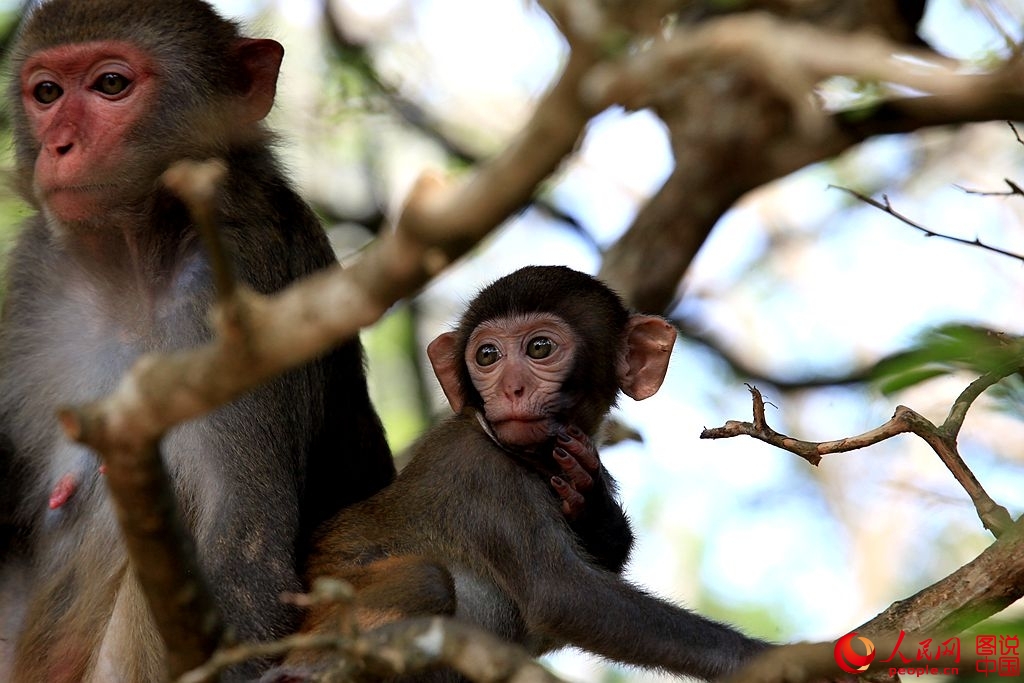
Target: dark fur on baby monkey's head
x=548 y=346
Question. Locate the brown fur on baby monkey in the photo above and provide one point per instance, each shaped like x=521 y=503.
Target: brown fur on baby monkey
x=469 y=529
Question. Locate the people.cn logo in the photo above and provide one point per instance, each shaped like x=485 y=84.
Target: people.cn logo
x=850 y=661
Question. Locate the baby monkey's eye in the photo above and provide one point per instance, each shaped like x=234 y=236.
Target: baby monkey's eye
x=111 y=83
x=540 y=347
x=487 y=354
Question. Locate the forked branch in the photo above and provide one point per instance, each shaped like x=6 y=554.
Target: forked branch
x=941 y=438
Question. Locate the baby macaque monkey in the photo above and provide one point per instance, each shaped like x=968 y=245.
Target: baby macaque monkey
x=472 y=526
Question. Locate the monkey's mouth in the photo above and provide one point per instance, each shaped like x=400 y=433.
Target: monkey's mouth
x=523 y=432
x=79 y=194
x=80 y=188
x=75 y=201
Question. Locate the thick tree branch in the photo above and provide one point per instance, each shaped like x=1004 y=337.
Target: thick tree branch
x=739 y=96
x=984 y=586
x=397 y=649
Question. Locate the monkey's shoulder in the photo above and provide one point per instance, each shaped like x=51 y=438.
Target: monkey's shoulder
x=457 y=477
x=459 y=448
x=32 y=258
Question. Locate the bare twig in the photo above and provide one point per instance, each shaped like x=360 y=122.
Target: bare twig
x=958 y=411
x=1014 y=190
x=886 y=206
x=811 y=451
x=1016 y=133
x=942 y=439
x=993 y=516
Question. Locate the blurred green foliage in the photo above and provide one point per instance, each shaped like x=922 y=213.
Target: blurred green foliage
x=12 y=208
x=394 y=376
x=947 y=349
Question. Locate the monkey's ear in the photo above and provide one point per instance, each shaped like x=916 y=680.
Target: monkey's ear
x=260 y=59
x=442 y=354
x=649 y=341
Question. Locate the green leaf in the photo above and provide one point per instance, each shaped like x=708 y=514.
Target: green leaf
x=895 y=383
x=948 y=348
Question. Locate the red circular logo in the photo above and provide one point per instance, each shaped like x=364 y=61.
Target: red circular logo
x=850 y=661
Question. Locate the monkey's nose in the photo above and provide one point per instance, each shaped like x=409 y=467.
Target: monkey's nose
x=514 y=392
x=61 y=139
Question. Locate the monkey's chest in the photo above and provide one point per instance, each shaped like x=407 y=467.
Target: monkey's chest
x=540 y=465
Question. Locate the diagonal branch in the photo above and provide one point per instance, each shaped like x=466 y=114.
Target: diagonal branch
x=197 y=184
x=984 y=586
x=886 y=206
x=1014 y=191
x=257 y=337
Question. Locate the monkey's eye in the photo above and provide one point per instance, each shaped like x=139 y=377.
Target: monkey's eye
x=111 y=83
x=47 y=92
x=487 y=354
x=539 y=347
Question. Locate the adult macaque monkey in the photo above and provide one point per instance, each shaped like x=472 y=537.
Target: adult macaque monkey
x=467 y=529
x=105 y=94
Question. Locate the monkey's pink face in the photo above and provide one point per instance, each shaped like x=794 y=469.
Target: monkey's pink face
x=518 y=365
x=81 y=100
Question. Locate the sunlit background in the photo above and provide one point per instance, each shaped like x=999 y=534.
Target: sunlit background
x=798 y=284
